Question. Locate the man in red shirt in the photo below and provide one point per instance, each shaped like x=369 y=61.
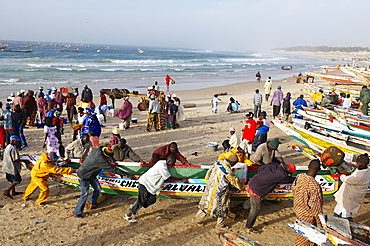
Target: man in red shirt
x=163 y=152
x=168 y=79
x=249 y=132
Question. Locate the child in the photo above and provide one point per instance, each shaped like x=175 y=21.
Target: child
x=150 y=183
x=214 y=102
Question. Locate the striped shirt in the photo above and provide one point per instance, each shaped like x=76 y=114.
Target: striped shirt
x=257 y=99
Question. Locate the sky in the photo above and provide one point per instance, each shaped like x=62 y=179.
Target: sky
x=237 y=25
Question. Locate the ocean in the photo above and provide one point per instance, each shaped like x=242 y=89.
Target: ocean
x=112 y=66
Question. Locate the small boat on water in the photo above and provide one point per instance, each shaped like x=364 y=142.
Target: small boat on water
x=286 y=68
x=74 y=50
x=140 y=51
x=114 y=184
x=4 y=46
x=24 y=51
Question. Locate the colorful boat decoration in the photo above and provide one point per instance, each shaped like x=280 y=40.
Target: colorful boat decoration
x=114 y=184
x=335 y=230
x=233 y=239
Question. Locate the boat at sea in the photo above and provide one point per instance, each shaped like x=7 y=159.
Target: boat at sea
x=73 y=50
x=140 y=50
x=114 y=184
x=24 y=51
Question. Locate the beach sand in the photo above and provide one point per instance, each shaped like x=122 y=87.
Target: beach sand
x=168 y=221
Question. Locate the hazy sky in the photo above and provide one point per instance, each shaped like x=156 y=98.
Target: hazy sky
x=245 y=25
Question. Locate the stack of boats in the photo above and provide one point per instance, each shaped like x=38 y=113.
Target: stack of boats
x=321 y=128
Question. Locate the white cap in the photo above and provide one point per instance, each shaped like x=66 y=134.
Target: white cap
x=12 y=94
x=174 y=95
x=232 y=129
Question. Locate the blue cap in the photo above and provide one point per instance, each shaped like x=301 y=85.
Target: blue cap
x=53 y=156
x=152 y=96
x=321 y=91
x=279 y=87
x=89 y=111
x=15 y=137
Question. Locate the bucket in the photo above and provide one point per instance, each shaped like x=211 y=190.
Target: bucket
x=121 y=126
x=64 y=120
x=168 y=124
x=40 y=125
x=212 y=146
x=134 y=120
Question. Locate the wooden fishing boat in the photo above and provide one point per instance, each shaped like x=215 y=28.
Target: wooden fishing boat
x=24 y=51
x=336 y=230
x=73 y=50
x=338 y=78
x=233 y=239
x=114 y=184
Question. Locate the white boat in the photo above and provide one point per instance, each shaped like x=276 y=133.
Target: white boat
x=140 y=50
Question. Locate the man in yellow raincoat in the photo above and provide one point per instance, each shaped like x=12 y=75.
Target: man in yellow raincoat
x=39 y=176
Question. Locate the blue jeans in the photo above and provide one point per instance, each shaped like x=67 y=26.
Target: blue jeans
x=21 y=135
x=85 y=185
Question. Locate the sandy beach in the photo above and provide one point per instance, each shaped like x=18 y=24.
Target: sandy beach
x=167 y=221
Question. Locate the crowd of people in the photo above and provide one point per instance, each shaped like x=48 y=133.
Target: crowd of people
x=252 y=147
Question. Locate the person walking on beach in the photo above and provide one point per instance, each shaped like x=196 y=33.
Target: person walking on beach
x=125 y=112
x=150 y=184
x=12 y=166
x=215 y=201
x=353 y=189
x=268 y=87
x=97 y=160
x=264 y=182
x=365 y=99
x=308 y=200
x=258 y=77
x=40 y=174
x=214 y=103
x=257 y=102
x=153 y=111
x=168 y=79
x=276 y=101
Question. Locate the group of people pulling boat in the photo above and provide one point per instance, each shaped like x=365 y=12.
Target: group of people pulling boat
x=251 y=168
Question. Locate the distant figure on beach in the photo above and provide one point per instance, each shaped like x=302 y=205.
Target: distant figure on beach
x=268 y=87
x=172 y=112
x=365 y=99
x=257 y=103
x=286 y=106
x=215 y=201
x=180 y=116
x=168 y=80
x=153 y=111
x=233 y=106
x=87 y=93
x=347 y=101
x=308 y=199
x=125 y=112
x=214 y=102
x=258 y=77
x=2 y=131
x=276 y=101
x=353 y=189
x=150 y=183
x=9 y=123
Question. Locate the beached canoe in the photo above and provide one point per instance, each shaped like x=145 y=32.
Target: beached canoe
x=335 y=230
x=114 y=184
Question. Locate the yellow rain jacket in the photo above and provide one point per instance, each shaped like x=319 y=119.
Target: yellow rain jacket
x=39 y=177
x=242 y=157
